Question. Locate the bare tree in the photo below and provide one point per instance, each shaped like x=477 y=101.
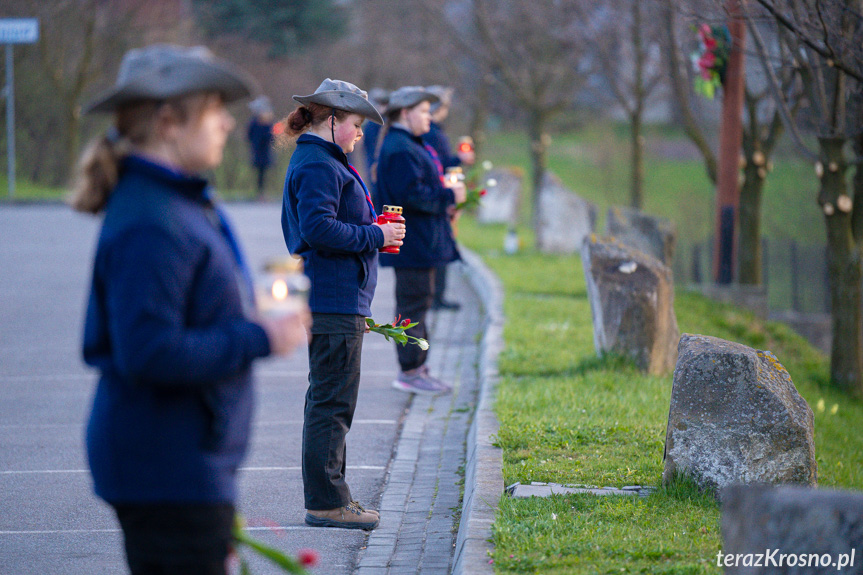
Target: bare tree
x=680 y=81
x=534 y=50
x=626 y=42
x=762 y=130
x=825 y=38
x=80 y=37
x=79 y=41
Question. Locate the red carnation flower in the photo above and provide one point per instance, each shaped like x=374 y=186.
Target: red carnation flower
x=307 y=557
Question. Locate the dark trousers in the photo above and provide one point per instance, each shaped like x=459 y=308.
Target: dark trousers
x=262 y=175
x=177 y=539
x=414 y=292
x=439 y=283
x=334 y=382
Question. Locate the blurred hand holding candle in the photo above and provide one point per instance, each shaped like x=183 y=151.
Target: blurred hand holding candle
x=454 y=180
x=283 y=288
x=465 y=151
x=282 y=296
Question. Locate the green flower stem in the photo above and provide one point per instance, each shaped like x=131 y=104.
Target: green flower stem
x=288 y=564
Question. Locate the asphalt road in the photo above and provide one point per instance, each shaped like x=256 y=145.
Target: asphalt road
x=50 y=521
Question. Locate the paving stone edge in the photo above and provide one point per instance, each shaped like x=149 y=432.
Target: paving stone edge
x=483 y=485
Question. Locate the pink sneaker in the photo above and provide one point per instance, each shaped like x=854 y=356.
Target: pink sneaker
x=418 y=382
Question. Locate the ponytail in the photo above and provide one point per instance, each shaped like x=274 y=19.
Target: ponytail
x=96 y=174
x=304 y=117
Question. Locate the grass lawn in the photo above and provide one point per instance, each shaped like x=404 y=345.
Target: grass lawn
x=568 y=417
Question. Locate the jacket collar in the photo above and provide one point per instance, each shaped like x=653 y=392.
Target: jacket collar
x=194 y=187
x=334 y=150
x=403 y=130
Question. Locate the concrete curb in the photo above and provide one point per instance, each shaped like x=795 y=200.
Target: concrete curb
x=483 y=482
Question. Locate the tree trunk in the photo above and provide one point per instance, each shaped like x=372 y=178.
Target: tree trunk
x=538 y=145
x=846 y=354
x=70 y=144
x=749 y=249
x=635 y=118
x=637 y=191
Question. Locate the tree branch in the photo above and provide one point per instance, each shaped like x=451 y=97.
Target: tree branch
x=781 y=103
x=826 y=53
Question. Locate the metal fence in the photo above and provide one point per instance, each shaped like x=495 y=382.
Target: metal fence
x=795 y=276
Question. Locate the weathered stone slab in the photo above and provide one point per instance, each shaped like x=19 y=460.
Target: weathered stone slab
x=736 y=417
x=500 y=204
x=632 y=302
x=650 y=234
x=537 y=489
x=565 y=219
x=772 y=530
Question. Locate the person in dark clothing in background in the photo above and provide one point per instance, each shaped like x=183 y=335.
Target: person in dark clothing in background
x=260 y=136
x=171 y=322
x=438 y=141
x=408 y=177
x=371 y=130
x=328 y=219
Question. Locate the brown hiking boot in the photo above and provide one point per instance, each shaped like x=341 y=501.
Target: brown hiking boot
x=351 y=516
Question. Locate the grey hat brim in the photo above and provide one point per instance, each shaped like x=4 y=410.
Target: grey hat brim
x=344 y=101
x=195 y=76
x=399 y=101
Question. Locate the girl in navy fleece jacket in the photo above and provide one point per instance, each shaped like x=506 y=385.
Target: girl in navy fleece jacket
x=171 y=322
x=329 y=220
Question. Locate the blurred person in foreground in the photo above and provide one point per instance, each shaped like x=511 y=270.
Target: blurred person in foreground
x=409 y=177
x=171 y=321
x=438 y=141
x=328 y=219
x=260 y=136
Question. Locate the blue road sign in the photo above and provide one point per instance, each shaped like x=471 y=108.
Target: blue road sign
x=19 y=30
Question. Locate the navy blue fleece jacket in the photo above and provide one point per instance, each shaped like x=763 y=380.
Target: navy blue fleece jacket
x=327 y=220
x=408 y=177
x=167 y=327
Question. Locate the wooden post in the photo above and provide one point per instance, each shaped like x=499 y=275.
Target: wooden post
x=730 y=138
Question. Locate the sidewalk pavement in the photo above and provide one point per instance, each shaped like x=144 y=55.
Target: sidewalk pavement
x=405 y=454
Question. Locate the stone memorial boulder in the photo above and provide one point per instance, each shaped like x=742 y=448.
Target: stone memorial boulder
x=632 y=303
x=500 y=204
x=650 y=234
x=736 y=417
x=790 y=530
x=565 y=219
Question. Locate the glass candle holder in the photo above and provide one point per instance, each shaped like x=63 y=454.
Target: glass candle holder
x=453 y=176
x=283 y=288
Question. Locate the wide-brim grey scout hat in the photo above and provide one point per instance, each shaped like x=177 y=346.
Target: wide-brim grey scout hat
x=342 y=96
x=261 y=106
x=164 y=71
x=379 y=97
x=410 y=96
x=444 y=95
